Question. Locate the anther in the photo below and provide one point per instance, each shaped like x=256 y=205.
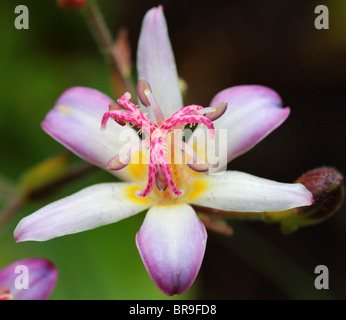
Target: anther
x=146 y=97
x=118 y=162
x=199 y=167
x=115 y=106
x=161 y=183
x=142 y=87
x=220 y=109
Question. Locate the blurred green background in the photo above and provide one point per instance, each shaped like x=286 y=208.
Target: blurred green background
x=227 y=43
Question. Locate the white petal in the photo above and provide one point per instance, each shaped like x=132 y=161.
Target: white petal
x=89 y=208
x=156 y=63
x=238 y=191
x=75 y=122
x=252 y=113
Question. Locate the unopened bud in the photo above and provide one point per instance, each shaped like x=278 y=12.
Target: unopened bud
x=72 y=3
x=327 y=188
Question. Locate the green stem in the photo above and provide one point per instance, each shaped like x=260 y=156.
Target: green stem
x=19 y=199
x=72 y=174
x=14 y=205
x=105 y=41
x=7 y=187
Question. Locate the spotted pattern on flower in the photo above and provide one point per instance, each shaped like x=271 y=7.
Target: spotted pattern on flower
x=158 y=134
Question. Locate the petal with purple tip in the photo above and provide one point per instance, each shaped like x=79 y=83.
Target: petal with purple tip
x=242 y=192
x=252 y=113
x=75 y=122
x=87 y=209
x=42 y=277
x=156 y=63
x=171 y=242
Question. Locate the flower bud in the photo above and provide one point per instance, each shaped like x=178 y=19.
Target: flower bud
x=326 y=186
x=72 y=3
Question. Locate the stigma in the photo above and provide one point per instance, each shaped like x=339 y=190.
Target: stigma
x=157 y=135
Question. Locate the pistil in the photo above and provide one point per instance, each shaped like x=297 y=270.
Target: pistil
x=159 y=173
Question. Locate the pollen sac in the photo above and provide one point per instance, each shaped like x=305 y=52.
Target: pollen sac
x=118 y=162
x=156 y=135
x=142 y=86
x=220 y=110
x=161 y=183
x=115 y=106
x=198 y=167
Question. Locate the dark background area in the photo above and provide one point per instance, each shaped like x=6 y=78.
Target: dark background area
x=217 y=45
x=274 y=43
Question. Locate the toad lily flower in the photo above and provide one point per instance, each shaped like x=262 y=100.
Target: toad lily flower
x=28 y=279
x=172 y=239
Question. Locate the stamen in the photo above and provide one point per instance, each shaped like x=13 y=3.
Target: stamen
x=159 y=170
x=141 y=86
x=196 y=163
x=115 y=106
x=151 y=181
x=131 y=115
x=220 y=110
x=118 y=162
x=119 y=115
x=162 y=161
x=161 y=183
x=145 y=95
x=205 y=111
x=198 y=167
x=187 y=149
x=126 y=96
x=121 y=160
x=173 y=121
x=155 y=107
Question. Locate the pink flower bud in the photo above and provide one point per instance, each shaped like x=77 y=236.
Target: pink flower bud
x=327 y=187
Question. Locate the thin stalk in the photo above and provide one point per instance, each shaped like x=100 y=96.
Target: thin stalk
x=105 y=41
x=20 y=199
x=13 y=207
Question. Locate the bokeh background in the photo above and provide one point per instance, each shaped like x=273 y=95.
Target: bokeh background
x=217 y=44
